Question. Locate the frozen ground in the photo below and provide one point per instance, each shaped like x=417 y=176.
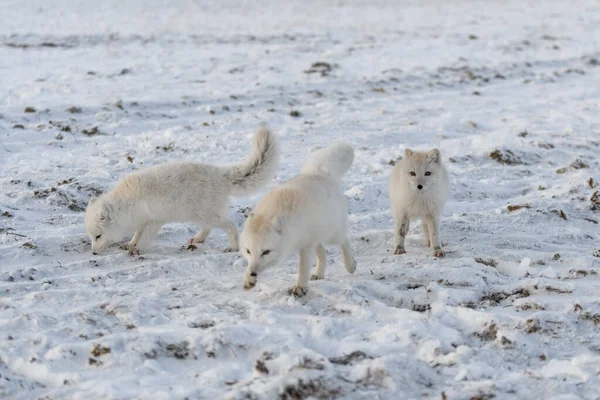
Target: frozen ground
x=507 y=89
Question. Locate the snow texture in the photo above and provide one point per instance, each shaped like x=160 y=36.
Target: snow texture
x=508 y=90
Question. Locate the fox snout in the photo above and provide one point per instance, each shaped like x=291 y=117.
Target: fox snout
x=251 y=276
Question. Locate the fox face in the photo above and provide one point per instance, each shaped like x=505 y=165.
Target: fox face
x=260 y=245
x=101 y=225
x=422 y=171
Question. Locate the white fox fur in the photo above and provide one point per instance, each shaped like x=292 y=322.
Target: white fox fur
x=301 y=215
x=419 y=188
x=179 y=192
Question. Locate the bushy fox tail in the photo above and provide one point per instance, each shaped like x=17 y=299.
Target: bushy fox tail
x=333 y=161
x=256 y=170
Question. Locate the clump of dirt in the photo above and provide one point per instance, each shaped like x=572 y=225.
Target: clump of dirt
x=202 y=324
x=494 y=298
x=261 y=367
x=591 y=183
x=589 y=316
x=319 y=67
x=421 y=307
x=308 y=363
x=577 y=164
x=99 y=350
x=295 y=113
x=553 y=289
x=512 y=208
x=506 y=157
x=74 y=110
x=177 y=350
x=29 y=110
x=62 y=126
x=545 y=145
x=529 y=306
x=349 y=359
x=490 y=332
x=532 y=325
x=489 y=262
x=577 y=273
x=312 y=389
x=483 y=396
x=560 y=213
x=168 y=148
x=93 y=361
x=92 y=132
x=595 y=201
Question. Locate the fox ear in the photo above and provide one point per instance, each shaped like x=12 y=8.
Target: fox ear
x=408 y=152
x=277 y=224
x=434 y=155
x=106 y=213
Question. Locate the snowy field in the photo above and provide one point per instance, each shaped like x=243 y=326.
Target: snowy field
x=508 y=90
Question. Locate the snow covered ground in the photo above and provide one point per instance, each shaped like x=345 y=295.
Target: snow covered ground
x=508 y=90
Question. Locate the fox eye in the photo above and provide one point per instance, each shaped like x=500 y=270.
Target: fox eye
x=412 y=173
x=266 y=252
x=98 y=237
x=247 y=251
x=427 y=173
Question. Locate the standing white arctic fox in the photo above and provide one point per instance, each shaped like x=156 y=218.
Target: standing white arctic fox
x=179 y=192
x=419 y=188
x=299 y=216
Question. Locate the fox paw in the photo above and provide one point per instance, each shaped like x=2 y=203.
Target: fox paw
x=315 y=277
x=134 y=252
x=250 y=281
x=399 y=250
x=231 y=250
x=352 y=267
x=439 y=252
x=193 y=240
x=298 y=291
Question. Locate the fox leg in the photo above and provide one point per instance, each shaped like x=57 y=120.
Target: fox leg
x=143 y=237
x=232 y=232
x=319 y=272
x=348 y=256
x=426 y=233
x=200 y=237
x=401 y=225
x=433 y=225
x=304 y=264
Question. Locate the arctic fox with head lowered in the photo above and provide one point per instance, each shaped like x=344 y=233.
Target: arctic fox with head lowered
x=179 y=192
x=419 y=189
x=301 y=215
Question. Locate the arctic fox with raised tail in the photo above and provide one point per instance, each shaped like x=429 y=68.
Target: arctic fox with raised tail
x=301 y=215
x=419 y=188
x=179 y=192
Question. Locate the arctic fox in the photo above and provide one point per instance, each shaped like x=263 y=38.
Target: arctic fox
x=300 y=215
x=179 y=192
x=419 y=188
